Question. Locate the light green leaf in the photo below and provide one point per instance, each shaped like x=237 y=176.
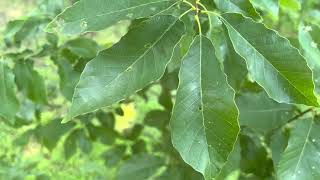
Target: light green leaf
x=9 y=102
x=82 y=47
x=139 y=167
x=261 y=113
x=294 y=5
x=204 y=119
x=269 y=6
x=137 y=60
x=313 y=16
x=238 y=6
x=300 y=160
x=309 y=38
x=272 y=62
x=19 y=30
x=94 y=15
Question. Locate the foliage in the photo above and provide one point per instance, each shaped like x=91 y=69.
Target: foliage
x=188 y=89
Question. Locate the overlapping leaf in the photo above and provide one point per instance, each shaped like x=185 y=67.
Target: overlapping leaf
x=301 y=160
x=261 y=113
x=204 y=119
x=269 y=6
x=142 y=166
x=237 y=6
x=94 y=15
x=138 y=59
x=30 y=82
x=272 y=62
x=234 y=65
x=9 y=102
x=309 y=37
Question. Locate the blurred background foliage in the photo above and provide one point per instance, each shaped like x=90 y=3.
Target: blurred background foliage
x=130 y=140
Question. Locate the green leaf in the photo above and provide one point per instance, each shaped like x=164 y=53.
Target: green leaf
x=272 y=62
x=269 y=6
x=234 y=65
x=70 y=145
x=138 y=167
x=309 y=38
x=82 y=47
x=300 y=160
x=68 y=77
x=313 y=16
x=30 y=82
x=88 y=15
x=204 y=119
x=114 y=155
x=261 y=113
x=8 y=99
x=232 y=165
x=254 y=154
x=293 y=5
x=157 y=118
x=50 y=133
x=238 y=6
x=278 y=143
x=18 y=30
x=137 y=60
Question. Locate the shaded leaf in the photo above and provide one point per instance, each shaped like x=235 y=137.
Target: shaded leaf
x=300 y=160
x=261 y=113
x=8 y=99
x=309 y=38
x=30 y=82
x=269 y=6
x=238 y=6
x=138 y=167
x=114 y=155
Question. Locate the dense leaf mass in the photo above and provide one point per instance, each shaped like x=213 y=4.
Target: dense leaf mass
x=161 y=90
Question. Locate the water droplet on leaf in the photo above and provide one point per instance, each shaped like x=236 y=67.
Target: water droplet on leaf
x=83 y=24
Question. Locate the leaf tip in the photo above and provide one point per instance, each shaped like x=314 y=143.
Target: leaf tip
x=66 y=120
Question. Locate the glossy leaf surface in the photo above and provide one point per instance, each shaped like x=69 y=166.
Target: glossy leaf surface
x=204 y=119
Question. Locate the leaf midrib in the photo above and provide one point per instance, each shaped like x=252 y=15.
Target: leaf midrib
x=267 y=60
x=303 y=148
x=146 y=52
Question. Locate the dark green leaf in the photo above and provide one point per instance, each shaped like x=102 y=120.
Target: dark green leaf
x=30 y=82
x=300 y=160
x=272 y=61
x=204 y=119
x=138 y=167
x=261 y=113
x=138 y=59
x=88 y=15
